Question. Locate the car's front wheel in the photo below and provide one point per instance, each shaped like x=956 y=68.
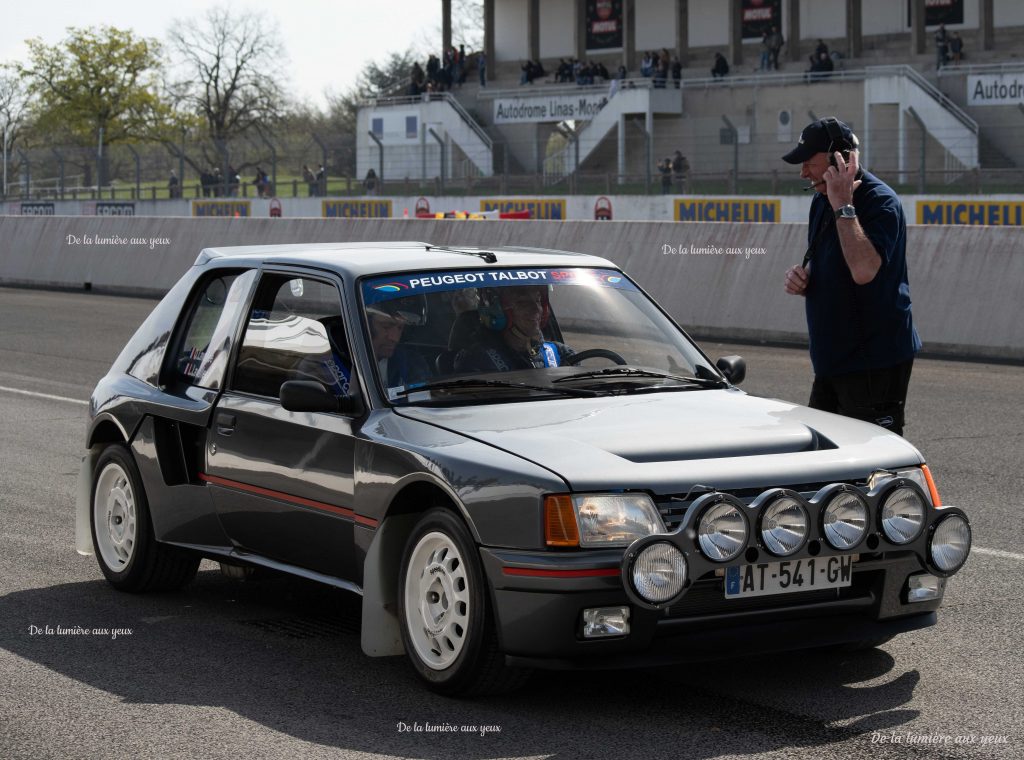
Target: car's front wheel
x=122 y=532
x=447 y=626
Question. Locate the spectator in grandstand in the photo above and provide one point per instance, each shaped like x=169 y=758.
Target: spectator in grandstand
x=956 y=49
x=416 y=79
x=680 y=171
x=661 y=67
x=775 y=43
x=621 y=73
x=531 y=70
x=647 y=65
x=821 y=67
x=462 y=64
x=433 y=68
x=766 y=51
x=677 y=70
x=854 y=280
x=481 y=65
x=173 y=186
x=941 y=47
x=721 y=67
x=820 y=48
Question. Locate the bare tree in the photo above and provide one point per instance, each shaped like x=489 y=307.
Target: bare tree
x=14 y=102
x=231 y=65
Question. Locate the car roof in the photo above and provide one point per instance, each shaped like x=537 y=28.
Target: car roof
x=361 y=259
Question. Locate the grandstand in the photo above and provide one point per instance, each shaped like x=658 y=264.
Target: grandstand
x=923 y=127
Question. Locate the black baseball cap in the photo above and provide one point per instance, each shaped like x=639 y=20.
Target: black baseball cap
x=816 y=139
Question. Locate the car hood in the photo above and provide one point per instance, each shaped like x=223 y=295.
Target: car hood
x=667 y=442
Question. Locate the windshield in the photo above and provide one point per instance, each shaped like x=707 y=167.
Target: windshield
x=508 y=334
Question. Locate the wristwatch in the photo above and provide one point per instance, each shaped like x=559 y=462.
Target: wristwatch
x=846 y=212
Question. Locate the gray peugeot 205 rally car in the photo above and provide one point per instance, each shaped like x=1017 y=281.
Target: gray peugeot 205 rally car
x=515 y=456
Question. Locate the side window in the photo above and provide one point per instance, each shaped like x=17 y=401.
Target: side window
x=203 y=354
x=295 y=331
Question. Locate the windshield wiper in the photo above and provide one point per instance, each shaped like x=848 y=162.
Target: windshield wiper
x=612 y=372
x=440 y=385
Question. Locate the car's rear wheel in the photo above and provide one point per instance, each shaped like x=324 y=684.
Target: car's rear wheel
x=129 y=556
x=447 y=625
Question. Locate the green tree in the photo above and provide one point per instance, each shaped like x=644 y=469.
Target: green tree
x=96 y=80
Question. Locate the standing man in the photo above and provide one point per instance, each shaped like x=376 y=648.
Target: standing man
x=854 y=278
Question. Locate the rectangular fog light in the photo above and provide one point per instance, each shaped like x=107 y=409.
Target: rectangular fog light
x=602 y=622
x=923 y=588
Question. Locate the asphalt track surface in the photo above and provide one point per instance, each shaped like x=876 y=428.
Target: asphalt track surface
x=272 y=668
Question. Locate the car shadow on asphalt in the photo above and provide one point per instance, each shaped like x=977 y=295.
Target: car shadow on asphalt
x=285 y=653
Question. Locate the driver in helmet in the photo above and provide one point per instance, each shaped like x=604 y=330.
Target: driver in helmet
x=399 y=364
x=515 y=319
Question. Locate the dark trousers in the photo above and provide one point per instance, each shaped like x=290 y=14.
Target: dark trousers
x=878 y=395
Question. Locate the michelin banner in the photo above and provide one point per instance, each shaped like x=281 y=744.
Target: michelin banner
x=974 y=212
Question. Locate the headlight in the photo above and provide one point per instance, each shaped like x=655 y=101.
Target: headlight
x=616 y=519
x=784 y=526
x=903 y=515
x=846 y=521
x=722 y=532
x=659 y=572
x=916 y=474
x=950 y=544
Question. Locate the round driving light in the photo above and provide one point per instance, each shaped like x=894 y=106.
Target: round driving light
x=722 y=532
x=784 y=526
x=659 y=572
x=845 y=521
x=903 y=515
x=950 y=544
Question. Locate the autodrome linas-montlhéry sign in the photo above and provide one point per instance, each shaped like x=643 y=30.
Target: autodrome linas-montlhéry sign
x=548 y=108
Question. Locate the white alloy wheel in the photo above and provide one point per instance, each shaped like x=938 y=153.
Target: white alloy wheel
x=115 y=518
x=437 y=600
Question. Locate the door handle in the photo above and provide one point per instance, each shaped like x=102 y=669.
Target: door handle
x=226 y=423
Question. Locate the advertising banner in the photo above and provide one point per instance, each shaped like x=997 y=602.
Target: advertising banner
x=759 y=16
x=539 y=208
x=221 y=208
x=38 y=209
x=356 y=209
x=973 y=212
x=728 y=210
x=939 y=12
x=604 y=25
x=114 y=208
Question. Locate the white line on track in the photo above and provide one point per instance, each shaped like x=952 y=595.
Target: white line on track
x=997 y=553
x=36 y=394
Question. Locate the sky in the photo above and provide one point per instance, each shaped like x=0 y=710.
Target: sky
x=327 y=42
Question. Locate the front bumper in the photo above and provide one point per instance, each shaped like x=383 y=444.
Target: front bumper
x=539 y=598
x=539 y=618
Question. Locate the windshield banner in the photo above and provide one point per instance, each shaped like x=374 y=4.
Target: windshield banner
x=403 y=285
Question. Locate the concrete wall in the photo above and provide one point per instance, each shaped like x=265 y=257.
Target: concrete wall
x=557 y=29
x=967 y=282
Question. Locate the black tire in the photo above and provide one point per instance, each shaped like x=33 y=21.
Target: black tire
x=466 y=660
x=131 y=559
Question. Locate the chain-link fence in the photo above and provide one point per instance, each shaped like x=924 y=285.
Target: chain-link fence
x=743 y=162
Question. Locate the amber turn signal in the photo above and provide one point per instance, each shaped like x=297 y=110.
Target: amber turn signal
x=560 y=527
x=932 y=490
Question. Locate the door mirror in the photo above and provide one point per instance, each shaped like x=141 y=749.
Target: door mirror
x=733 y=367
x=308 y=396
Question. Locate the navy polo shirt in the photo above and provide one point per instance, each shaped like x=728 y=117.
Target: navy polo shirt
x=860 y=327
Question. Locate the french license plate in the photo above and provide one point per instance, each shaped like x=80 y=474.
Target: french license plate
x=787 y=577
